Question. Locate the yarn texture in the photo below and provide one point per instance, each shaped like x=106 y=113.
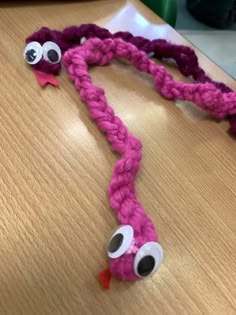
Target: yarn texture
x=206 y=96
x=184 y=56
x=122 y=186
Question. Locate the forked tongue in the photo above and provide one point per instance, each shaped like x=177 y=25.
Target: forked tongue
x=45 y=78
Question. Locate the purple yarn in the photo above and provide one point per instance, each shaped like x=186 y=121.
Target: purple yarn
x=232 y=121
x=184 y=56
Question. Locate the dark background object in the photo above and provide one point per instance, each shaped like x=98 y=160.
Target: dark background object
x=217 y=13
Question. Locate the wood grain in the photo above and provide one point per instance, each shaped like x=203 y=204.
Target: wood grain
x=55 y=166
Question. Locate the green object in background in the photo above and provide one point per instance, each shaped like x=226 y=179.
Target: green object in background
x=166 y=9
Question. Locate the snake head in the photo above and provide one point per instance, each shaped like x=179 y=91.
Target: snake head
x=43 y=51
x=131 y=257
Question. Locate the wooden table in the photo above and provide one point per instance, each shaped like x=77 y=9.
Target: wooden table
x=55 y=166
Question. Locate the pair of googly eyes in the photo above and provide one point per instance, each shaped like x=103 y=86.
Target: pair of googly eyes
x=147 y=259
x=34 y=52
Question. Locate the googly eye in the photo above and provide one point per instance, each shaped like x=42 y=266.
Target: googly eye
x=148 y=259
x=33 y=52
x=120 y=241
x=51 y=52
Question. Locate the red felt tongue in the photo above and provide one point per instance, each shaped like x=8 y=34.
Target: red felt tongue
x=45 y=78
x=105 y=278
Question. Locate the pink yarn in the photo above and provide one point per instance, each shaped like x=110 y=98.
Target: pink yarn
x=205 y=95
x=122 y=186
x=184 y=56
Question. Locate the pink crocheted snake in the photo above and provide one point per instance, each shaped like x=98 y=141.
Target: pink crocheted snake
x=206 y=95
x=133 y=249
x=45 y=47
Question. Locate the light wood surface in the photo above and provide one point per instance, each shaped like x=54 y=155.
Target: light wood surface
x=55 y=166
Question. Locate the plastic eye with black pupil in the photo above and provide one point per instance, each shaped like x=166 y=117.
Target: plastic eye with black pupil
x=115 y=243
x=120 y=241
x=51 y=52
x=33 y=53
x=146 y=266
x=148 y=259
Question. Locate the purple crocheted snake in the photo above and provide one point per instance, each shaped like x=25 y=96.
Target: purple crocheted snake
x=47 y=58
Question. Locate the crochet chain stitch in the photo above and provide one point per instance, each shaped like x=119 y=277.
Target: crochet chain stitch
x=184 y=56
x=122 y=186
x=70 y=37
x=206 y=96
